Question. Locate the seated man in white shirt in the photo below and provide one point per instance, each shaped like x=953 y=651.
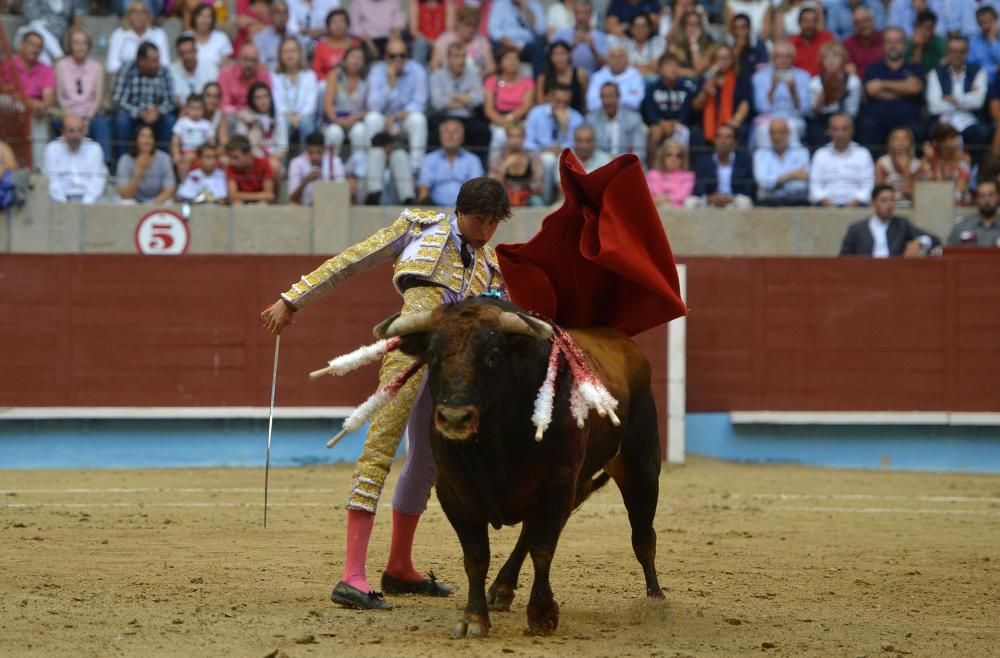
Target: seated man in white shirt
x=631 y=85
x=206 y=184
x=75 y=165
x=781 y=171
x=842 y=173
x=956 y=94
x=318 y=162
x=883 y=235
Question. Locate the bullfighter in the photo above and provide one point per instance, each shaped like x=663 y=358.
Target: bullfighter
x=439 y=259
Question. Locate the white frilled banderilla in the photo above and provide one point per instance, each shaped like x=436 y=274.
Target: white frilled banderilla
x=588 y=392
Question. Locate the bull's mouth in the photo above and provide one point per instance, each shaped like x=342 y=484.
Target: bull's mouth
x=456 y=423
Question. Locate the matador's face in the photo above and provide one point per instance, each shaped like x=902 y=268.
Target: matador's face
x=477 y=229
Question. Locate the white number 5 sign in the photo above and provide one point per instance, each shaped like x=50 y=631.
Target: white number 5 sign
x=162 y=233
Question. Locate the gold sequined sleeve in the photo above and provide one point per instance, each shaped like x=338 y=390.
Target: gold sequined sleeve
x=384 y=245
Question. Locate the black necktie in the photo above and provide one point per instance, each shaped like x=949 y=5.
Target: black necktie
x=464 y=252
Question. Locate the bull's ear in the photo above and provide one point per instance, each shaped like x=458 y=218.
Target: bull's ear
x=381 y=328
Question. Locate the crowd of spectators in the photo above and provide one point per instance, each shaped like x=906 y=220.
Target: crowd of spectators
x=728 y=103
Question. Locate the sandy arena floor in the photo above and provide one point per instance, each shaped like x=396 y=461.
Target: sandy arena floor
x=772 y=560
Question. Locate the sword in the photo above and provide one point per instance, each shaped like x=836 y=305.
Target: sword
x=270 y=423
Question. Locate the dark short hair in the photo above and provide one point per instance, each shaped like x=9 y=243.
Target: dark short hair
x=316 y=139
x=988 y=181
x=807 y=9
x=144 y=48
x=483 y=196
x=880 y=188
x=238 y=143
x=195 y=98
x=926 y=16
x=668 y=57
x=204 y=146
x=613 y=84
x=742 y=17
x=382 y=139
x=187 y=37
x=562 y=86
x=337 y=12
x=986 y=8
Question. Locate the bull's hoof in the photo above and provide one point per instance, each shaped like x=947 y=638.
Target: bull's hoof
x=500 y=597
x=543 y=620
x=472 y=626
x=655 y=593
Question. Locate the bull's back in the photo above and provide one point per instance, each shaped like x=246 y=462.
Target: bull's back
x=617 y=360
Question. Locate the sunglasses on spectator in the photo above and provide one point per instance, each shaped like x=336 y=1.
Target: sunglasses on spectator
x=79 y=86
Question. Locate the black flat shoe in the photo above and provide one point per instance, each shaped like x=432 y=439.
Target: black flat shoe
x=426 y=587
x=352 y=597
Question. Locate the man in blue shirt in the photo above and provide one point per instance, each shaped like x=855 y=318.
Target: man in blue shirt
x=840 y=16
x=589 y=46
x=666 y=108
x=397 y=99
x=782 y=171
x=444 y=170
x=549 y=129
x=894 y=90
x=519 y=24
x=984 y=47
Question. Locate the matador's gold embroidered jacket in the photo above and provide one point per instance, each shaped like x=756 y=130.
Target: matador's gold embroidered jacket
x=425 y=245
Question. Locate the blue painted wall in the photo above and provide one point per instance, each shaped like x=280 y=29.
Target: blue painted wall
x=171 y=443
x=204 y=443
x=902 y=447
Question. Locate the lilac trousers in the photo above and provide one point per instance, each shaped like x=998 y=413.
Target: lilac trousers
x=419 y=473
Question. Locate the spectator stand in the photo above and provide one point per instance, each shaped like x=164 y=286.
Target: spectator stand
x=15 y=122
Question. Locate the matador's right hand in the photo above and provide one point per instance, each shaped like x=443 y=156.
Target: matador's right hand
x=276 y=316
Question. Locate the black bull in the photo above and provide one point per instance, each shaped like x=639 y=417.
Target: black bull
x=486 y=363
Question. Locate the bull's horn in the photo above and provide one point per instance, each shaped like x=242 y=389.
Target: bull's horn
x=402 y=325
x=521 y=323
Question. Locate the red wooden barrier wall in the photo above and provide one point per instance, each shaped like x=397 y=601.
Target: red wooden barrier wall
x=778 y=334
x=844 y=334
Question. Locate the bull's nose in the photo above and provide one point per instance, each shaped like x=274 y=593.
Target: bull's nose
x=456 y=422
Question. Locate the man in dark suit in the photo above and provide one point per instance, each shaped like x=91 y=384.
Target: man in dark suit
x=883 y=235
x=724 y=178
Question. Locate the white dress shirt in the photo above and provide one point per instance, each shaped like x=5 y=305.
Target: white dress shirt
x=631 y=87
x=77 y=174
x=186 y=83
x=880 y=236
x=124 y=44
x=962 y=114
x=841 y=176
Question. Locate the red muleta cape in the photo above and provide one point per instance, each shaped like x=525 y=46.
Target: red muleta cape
x=602 y=259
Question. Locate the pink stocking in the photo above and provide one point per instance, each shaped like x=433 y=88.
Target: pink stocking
x=401 y=551
x=359 y=532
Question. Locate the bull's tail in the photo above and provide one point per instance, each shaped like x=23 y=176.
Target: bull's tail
x=591 y=487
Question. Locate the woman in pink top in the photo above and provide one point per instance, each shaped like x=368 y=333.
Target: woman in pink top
x=671 y=182
x=508 y=97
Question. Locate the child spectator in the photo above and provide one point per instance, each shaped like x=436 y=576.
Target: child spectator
x=249 y=179
x=191 y=131
x=671 y=181
x=316 y=163
x=263 y=127
x=207 y=183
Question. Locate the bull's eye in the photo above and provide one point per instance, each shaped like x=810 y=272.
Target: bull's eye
x=492 y=358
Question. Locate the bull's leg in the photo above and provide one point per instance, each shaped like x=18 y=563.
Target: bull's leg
x=501 y=592
x=475 y=542
x=638 y=479
x=542 y=532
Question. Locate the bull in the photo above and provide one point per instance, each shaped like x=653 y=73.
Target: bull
x=486 y=360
